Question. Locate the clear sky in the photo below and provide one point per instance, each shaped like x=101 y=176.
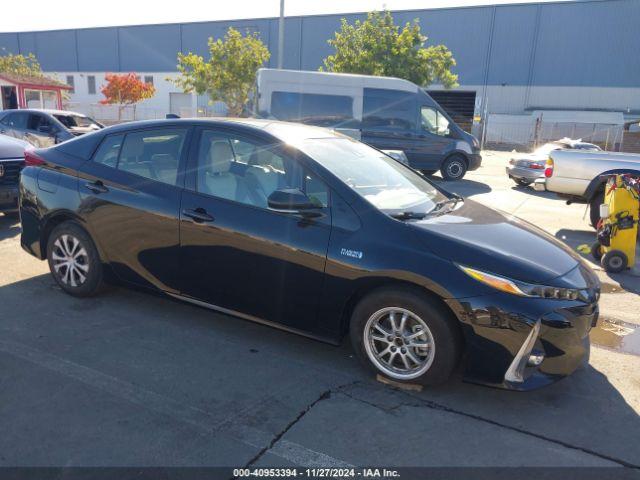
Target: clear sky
x=45 y=15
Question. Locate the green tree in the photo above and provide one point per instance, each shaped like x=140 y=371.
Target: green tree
x=230 y=72
x=26 y=65
x=377 y=46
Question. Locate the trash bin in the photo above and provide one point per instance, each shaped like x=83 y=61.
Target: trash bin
x=618 y=225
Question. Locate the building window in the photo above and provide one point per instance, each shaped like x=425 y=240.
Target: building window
x=91 y=84
x=71 y=81
x=148 y=79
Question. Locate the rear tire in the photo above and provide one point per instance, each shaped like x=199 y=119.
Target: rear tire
x=12 y=215
x=594 y=208
x=614 y=261
x=428 y=173
x=454 y=168
x=422 y=341
x=74 y=260
x=521 y=182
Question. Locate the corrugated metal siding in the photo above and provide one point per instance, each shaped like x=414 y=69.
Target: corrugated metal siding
x=582 y=43
x=151 y=48
x=589 y=44
x=512 y=46
x=103 y=40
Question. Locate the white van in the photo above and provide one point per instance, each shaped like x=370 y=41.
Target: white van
x=387 y=113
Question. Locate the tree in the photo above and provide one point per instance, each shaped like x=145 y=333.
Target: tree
x=125 y=90
x=25 y=65
x=377 y=46
x=230 y=72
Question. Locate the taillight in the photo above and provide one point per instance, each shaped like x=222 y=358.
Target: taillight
x=548 y=171
x=536 y=166
x=32 y=160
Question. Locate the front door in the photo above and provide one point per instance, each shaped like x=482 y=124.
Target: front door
x=433 y=138
x=238 y=254
x=130 y=194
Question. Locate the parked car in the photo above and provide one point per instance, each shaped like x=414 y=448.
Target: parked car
x=43 y=128
x=313 y=232
x=384 y=112
x=11 y=162
x=525 y=169
x=580 y=175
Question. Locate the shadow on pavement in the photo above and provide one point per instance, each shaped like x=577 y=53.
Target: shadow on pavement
x=9 y=227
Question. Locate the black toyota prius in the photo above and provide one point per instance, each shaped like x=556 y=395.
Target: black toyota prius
x=310 y=231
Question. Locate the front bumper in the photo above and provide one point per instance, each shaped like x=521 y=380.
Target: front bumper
x=497 y=326
x=8 y=198
x=524 y=173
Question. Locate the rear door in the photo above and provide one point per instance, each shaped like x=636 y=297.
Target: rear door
x=40 y=131
x=15 y=124
x=238 y=254
x=130 y=194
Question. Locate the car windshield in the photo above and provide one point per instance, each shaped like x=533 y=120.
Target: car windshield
x=72 y=121
x=381 y=180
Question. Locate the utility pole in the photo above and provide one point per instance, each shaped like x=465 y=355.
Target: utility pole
x=281 y=36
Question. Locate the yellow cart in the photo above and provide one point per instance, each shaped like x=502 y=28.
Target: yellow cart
x=618 y=226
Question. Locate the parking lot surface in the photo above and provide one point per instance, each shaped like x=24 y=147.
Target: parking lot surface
x=129 y=378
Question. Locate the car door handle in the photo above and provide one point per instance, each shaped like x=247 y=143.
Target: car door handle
x=198 y=215
x=96 y=187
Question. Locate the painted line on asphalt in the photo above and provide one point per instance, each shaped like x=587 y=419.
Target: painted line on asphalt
x=193 y=416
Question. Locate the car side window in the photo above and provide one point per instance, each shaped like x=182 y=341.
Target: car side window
x=16 y=120
x=109 y=150
x=37 y=122
x=248 y=171
x=153 y=154
x=434 y=122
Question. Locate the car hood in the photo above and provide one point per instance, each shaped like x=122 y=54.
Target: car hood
x=477 y=236
x=83 y=130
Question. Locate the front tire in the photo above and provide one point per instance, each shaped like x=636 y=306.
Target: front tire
x=405 y=336
x=454 y=168
x=74 y=260
x=428 y=173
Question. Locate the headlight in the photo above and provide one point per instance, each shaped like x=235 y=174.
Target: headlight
x=522 y=289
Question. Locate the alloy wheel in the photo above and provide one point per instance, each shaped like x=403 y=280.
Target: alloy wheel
x=70 y=260
x=399 y=343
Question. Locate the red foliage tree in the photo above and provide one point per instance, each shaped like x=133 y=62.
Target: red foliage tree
x=125 y=90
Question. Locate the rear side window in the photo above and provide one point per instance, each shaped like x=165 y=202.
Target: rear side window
x=16 y=120
x=311 y=108
x=153 y=154
x=389 y=109
x=109 y=151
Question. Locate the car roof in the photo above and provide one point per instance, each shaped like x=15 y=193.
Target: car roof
x=276 y=128
x=50 y=111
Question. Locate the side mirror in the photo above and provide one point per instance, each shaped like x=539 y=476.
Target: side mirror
x=290 y=200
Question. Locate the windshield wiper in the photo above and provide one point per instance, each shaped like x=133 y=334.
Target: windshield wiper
x=455 y=198
x=408 y=215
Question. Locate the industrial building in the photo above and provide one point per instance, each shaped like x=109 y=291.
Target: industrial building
x=526 y=71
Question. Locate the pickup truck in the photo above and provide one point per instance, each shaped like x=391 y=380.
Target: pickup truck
x=580 y=176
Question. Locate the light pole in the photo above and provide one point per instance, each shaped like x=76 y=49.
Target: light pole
x=281 y=36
